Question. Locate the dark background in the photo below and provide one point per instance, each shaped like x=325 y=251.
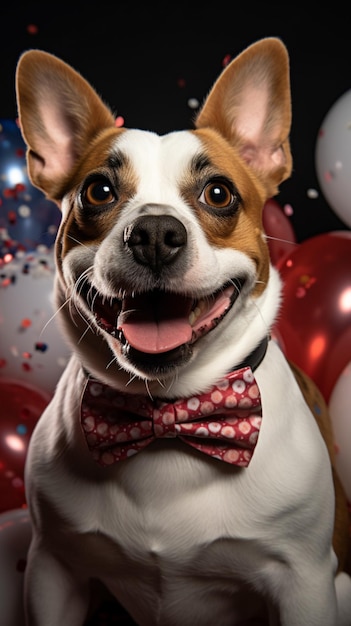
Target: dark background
x=147 y=61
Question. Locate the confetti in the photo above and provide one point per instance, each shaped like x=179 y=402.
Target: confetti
x=24 y=210
x=312 y=193
x=41 y=347
x=193 y=103
x=21 y=429
x=12 y=217
x=288 y=210
x=32 y=29
x=26 y=323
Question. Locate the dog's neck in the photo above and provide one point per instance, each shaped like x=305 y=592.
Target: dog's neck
x=252 y=360
x=256 y=356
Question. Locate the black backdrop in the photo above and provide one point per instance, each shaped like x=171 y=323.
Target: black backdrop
x=148 y=60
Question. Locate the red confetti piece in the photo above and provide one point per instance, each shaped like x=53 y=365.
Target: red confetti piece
x=226 y=60
x=3 y=363
x=6 y=282
x=12 y=217
x=119 y=121
x=26 y=355
x=26 y=367
x=26 y=323
x=300 y=292
x=32 y=29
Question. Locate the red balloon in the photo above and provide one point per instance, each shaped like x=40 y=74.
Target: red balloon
x=314 y=324
x=280 y=234
x=20 y=409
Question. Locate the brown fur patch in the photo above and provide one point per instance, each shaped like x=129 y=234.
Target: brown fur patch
x=243 y=231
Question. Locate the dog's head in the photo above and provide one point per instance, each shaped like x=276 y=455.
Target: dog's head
x=163 y=269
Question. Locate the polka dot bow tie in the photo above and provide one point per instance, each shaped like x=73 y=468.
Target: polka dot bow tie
x=223 y=423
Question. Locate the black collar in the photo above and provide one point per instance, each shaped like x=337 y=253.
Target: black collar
x=253 y=360
x=256 y=356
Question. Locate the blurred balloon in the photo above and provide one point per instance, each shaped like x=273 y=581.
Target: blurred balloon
x=27 y=218
x=280 y=234
x=20 y=409
x=32 y=348
x=15 y=535
x=314 y=324
x=333 y=157
x=339 y=409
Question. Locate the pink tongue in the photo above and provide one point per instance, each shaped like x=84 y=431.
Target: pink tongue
x=156 y=322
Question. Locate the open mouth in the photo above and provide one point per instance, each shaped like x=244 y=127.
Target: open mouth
x=160 y=326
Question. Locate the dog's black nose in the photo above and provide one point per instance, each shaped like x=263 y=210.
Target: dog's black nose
x=156 y=240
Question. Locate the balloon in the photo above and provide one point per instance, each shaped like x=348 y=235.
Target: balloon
x=27 y=218
x=32 y=348
x=333 y=157
x=280 y=234
x=340 y=414
x=314 y=324
x=15 y=535
x=20 y=409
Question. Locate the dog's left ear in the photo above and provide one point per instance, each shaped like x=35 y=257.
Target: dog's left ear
x=250 y=105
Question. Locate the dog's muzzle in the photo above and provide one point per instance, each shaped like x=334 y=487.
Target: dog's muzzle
x=155 y=325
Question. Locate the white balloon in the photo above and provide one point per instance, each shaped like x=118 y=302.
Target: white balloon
x=333 y=157
x=15 y=536
x=32 y=347
x=339 y=408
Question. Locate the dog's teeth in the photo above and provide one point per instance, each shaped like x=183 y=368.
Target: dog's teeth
x=196 y=312
x=125 y=349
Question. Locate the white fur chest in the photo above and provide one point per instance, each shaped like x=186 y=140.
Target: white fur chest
x=168 y=514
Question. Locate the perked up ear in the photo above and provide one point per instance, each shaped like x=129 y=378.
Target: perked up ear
x=59 y=114
x=250 y=105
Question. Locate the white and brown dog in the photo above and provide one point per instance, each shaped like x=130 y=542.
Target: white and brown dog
x=178 y=462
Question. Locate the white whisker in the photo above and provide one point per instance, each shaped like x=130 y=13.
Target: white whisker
x=293 y=243
x=53 y=316
x=148 y=390
x=78 y=242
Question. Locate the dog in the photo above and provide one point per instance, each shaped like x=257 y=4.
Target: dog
x=178 y=464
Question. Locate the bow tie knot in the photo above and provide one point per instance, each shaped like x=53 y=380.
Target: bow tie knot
x=223 y=423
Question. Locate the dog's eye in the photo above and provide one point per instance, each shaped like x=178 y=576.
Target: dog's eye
x=217 y=194
x=98 y=192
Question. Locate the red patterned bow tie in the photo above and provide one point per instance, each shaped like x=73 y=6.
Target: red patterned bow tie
x=223 y=423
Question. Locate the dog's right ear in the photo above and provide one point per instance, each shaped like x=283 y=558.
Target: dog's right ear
x=59 y=115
